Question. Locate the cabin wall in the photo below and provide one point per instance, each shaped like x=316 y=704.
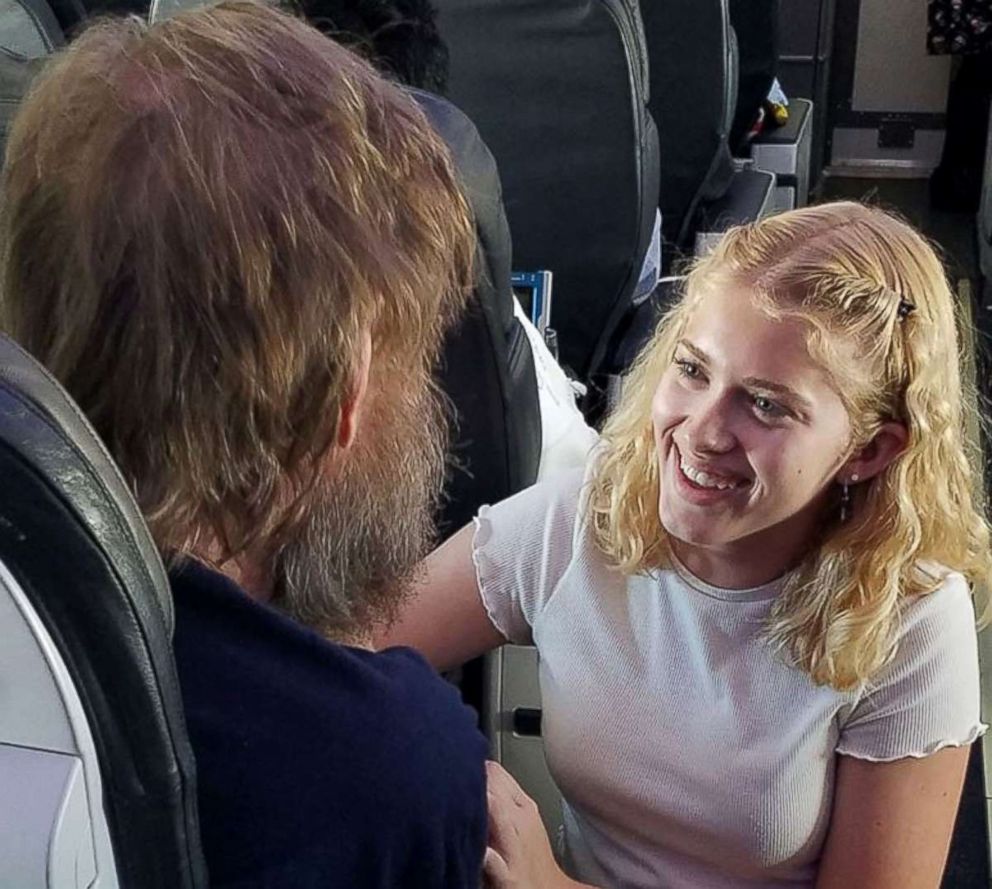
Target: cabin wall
x=889 y=95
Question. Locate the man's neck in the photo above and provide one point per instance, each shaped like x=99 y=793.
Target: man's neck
x=257 y=583
x=247 y=573
x=251 y=577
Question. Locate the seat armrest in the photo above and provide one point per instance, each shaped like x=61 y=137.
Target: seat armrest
x=747 y=200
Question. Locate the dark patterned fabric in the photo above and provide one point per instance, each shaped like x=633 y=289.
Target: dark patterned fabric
x=959 y=26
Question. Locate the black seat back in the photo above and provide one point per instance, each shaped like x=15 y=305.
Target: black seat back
x=558 y=91
x=73 y=540
x=756 y=24
x=487 y=368
x=693 y=73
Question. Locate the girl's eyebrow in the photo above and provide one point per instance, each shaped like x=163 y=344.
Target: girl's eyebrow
x=697 y=353
x=779 y=389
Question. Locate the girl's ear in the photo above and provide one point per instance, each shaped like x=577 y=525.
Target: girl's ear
x=886 y=445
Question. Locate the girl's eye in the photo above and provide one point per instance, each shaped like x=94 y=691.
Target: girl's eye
x=688 y=369
x=768 y=408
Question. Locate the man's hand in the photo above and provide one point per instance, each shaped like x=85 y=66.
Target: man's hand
x=519 y=854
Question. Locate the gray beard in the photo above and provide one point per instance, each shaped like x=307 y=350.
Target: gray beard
x=356 y=554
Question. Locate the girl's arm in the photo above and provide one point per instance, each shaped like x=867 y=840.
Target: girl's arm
x=444 y=618
x=892 y=821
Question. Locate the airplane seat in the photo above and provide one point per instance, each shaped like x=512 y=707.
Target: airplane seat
x=694 y=82
x=782 y=150
x=983 y=222
x=690 y=50
x=72 y=15
x=29 y=29
x=559 y=93
x=487 y=370
x=786 y=151
x=756 y=24
x=692 y=94
x=98 y=778
x=487 y=366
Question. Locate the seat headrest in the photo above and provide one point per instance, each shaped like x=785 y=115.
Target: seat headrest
x=689 y=43
x=558 y=92
x=480 y=181
x=73 y=538
x=29 y=28
x=487 y=367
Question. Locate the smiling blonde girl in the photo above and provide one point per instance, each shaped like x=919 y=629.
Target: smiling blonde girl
x=753 y=609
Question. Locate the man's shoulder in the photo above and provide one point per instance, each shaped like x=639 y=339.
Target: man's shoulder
x=409 y=731
x=303 y=744
x=412 y=694
x=226 y=644
x=381 y=727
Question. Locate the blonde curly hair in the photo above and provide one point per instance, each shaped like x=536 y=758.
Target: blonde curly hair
x=847 y=270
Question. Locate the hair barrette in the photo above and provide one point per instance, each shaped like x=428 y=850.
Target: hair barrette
x=906 y=309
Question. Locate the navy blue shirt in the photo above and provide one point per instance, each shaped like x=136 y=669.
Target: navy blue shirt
x=321 y=765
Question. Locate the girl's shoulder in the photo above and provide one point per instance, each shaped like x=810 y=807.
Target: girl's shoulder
x=948 y=605
x=927 y=696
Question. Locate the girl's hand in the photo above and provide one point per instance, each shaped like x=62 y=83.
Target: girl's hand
x=519 y=854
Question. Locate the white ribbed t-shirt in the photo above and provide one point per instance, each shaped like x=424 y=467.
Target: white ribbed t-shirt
x=690 y=755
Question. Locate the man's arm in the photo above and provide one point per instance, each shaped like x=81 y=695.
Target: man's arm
x=892 y=821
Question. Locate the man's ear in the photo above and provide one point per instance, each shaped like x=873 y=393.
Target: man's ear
x=886 y=445
x=354 y=401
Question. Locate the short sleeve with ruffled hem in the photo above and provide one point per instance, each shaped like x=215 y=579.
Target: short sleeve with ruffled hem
x=928 y=697
x=521 y=549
